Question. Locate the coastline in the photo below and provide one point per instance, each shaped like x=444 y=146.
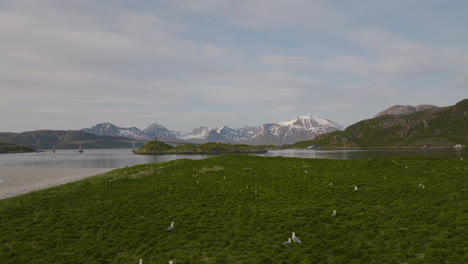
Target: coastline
x=16 y=181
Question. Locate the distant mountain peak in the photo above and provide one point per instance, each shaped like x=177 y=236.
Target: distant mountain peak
x=290 y=131
x=405 y=109
x=156 y=130
x=109 y=129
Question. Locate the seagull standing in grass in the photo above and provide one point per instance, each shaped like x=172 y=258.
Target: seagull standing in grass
x=295 y=238
x=334 y=213
x=141 y=261
x=171 y=227
x=171 y=262
x=287 y=242
x=355 y=188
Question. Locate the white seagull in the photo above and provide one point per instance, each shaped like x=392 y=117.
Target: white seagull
x=141 y=261
x=171 y=262
x=355 y=188
x=287 y=242
x=295 y=238
x=171 y=227
x=334 y=213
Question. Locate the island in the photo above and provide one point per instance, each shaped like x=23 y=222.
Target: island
x=12 y=148
x=211 y=148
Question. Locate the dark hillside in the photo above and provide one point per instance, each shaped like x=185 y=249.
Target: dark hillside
x=443 y=126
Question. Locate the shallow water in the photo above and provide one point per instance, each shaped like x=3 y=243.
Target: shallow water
x=117 y=158
x=91 y=158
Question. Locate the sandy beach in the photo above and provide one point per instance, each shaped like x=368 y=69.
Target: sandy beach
x=14 y=181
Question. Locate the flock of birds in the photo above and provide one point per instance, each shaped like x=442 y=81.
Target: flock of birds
x=293 y=237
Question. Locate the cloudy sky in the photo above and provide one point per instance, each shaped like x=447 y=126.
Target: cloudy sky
x=69 y=64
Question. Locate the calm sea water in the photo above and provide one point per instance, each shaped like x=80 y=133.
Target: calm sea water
x=117 y=158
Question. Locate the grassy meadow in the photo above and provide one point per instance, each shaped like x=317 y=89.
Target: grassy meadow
x=240 y=209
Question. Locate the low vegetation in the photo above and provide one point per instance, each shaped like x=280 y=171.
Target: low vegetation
x=156 y=147
x=240 y=209
x=12 y=148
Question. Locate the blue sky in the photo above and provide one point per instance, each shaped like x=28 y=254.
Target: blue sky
x=184 y=63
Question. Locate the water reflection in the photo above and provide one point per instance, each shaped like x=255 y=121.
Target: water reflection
x=91 y=158
x=118 y=158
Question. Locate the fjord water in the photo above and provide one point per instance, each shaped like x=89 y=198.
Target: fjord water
x=118 y=158
x=90 y=158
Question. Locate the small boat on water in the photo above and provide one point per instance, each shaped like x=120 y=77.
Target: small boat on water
x=80 y=150
x=458 y=146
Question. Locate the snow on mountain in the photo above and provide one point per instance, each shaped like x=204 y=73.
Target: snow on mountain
x=199 y=133
x=156 y=130
x=218 y=134
x=286 y=132
x=291 y=131
x=108 y=129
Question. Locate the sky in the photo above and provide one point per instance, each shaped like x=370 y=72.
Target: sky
x=70 y=64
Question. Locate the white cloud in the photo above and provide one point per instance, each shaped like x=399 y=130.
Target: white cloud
x=391 y=57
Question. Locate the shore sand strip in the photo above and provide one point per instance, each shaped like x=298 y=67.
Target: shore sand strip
x=15 y=181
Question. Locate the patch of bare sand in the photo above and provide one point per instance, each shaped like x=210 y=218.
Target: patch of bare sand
x=14 y=181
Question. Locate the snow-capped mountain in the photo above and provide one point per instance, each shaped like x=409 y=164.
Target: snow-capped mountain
x=291 y=131
x=156 y=130
x=214 y=134
x=286 y=132
x=108 y=129
x=199 y=133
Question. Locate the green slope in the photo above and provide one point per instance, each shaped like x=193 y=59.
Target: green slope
x=437 y=127
x=239 y=209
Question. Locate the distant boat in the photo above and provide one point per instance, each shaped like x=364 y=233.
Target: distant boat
x=133 y=148
x=458 y=146
x=53 y=149
x=80 y=150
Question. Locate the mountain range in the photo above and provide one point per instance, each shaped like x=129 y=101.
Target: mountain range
x=286 y=132
x=396 y=126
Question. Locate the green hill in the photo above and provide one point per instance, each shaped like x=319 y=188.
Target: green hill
x=65 y=139
x=239 y=209
x=156 y=147
x=436 y=127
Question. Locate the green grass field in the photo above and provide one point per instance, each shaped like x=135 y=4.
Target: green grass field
x=240 y=208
